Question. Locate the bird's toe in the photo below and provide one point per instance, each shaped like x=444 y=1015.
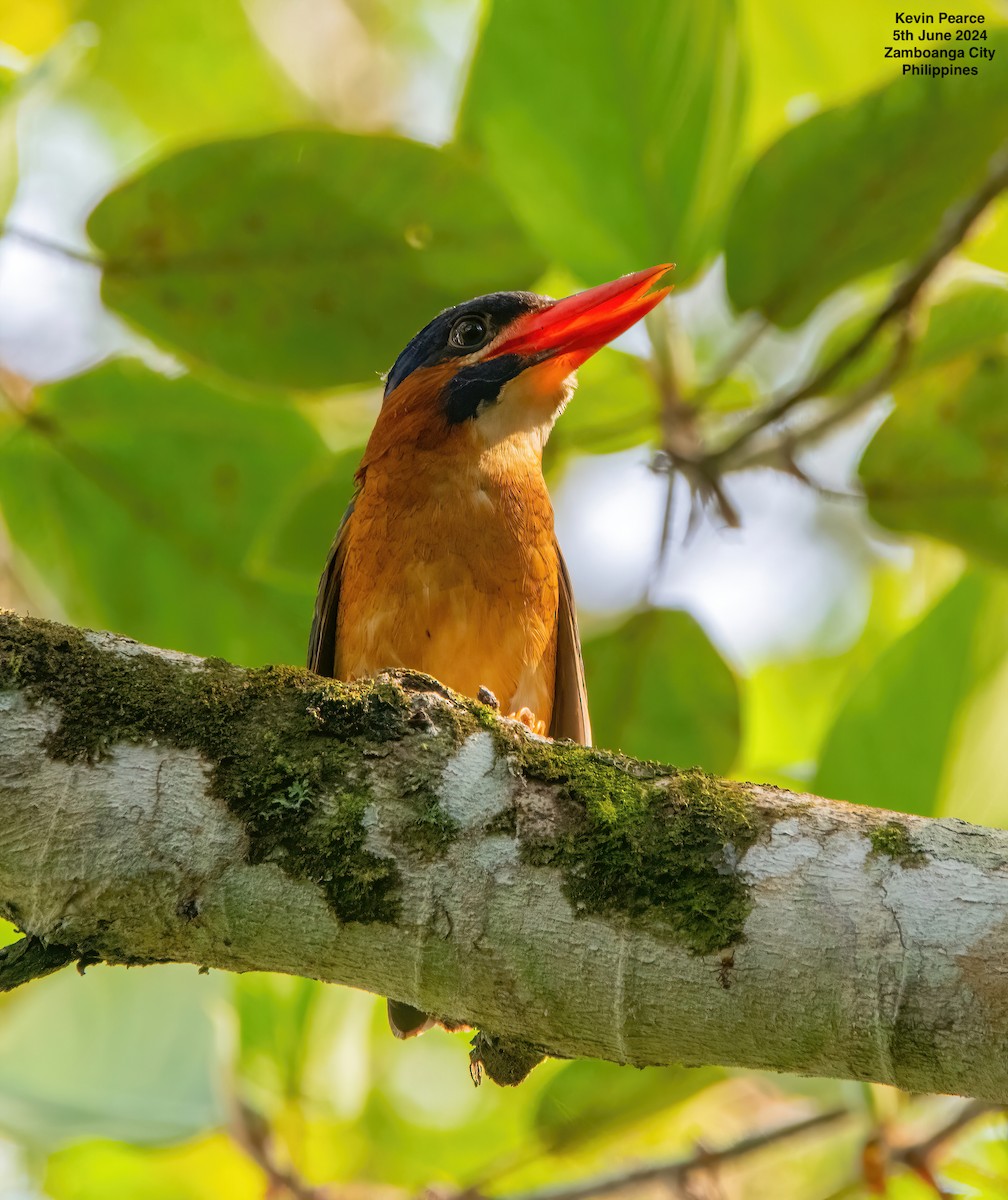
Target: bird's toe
x=528 y=718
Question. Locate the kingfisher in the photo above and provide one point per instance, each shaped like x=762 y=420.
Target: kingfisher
x=446 y=560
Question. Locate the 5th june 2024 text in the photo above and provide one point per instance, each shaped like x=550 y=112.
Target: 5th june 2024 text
x=940 y=44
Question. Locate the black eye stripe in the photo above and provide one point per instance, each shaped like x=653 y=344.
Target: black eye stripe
x=479 y=384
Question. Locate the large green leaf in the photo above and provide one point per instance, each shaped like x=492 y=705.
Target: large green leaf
x=306 y=257
x=790 y=704
x=137 y=499
x=658 y=689
x=939 y=464
x=889 y=744
x=116 y=1054
x=860 y=187
x=612 y=128
x=973 y=779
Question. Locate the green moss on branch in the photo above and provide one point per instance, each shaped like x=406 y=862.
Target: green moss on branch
x=647 y=841
x=894 y=841
x=284 y=747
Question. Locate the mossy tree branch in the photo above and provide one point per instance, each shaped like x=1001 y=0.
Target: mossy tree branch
x=156 y=807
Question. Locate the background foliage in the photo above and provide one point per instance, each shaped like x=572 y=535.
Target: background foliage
x=270 y=197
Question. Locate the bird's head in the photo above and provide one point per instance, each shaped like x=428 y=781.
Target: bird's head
x=504 y=365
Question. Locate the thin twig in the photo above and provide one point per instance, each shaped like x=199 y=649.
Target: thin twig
x=253 y=1134
x=676 y=1172
x=918 y=1156
x=966 y=1115
x=40 y=242
x=881 y=1153
x=953 y=230
x=780 y=453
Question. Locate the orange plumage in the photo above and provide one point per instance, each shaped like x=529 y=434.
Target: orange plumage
x=451 y=566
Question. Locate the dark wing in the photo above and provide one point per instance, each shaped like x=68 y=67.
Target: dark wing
x=570 y=700
x=322 y=639
x=404 y=1020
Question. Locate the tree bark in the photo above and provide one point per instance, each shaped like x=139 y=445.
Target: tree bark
x=389 y=836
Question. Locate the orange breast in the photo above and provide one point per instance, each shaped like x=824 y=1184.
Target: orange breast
x=451 y=568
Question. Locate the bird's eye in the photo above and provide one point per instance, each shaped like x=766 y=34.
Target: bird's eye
x=468 y=333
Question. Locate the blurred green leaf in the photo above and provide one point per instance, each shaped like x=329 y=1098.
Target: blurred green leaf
x=186 y=68
x=32 y=28
x=128 y=1056
x=889 y=744
x=973 y=775
x=660 y=690
x=988 y=240
x=208 y=1168
x=274 y=1015
x=734 y=394
x=860 y=187
x=422 y=1119
x=971 y=317
x=793 y=51
x=153 y=491
x=790 y=705
x=295 y=538
x=614 y=129
x=615 y=407
x=8 y=139
x=939 y=464
x=306 y=257
x=589 y=1099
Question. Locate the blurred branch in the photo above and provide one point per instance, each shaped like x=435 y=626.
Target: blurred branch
x=924 y=1150
x=680 y=436
x=678 y=1172
x=919 y=1157
x=957 y=223
x=885 y=1151
x=254 y=1135
x=156 y=807
x=39 y=241
x=706 y=467
x=780 y=452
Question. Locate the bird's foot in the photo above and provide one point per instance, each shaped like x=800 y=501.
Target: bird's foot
x=485 y=696
x=528 y=718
